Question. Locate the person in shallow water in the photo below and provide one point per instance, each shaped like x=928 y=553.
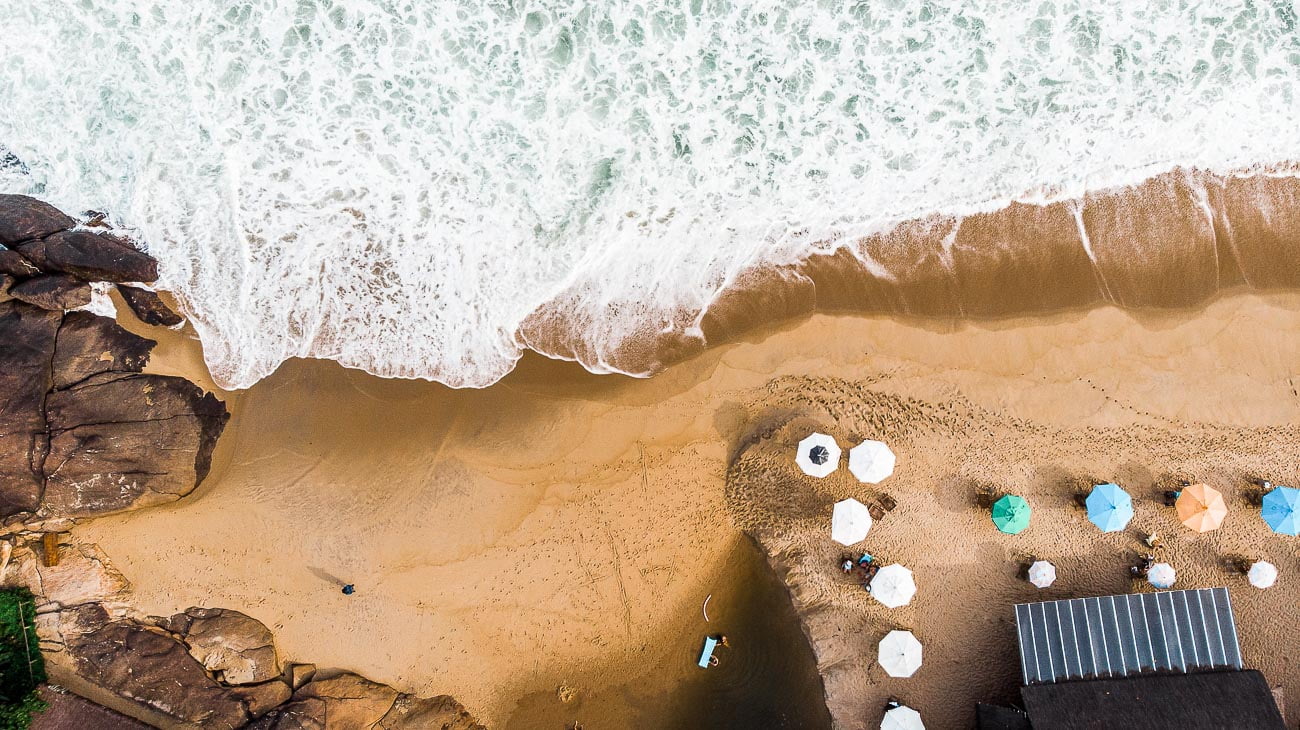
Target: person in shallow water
x=349 y=589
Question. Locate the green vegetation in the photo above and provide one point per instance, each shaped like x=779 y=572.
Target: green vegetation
x=22 y=669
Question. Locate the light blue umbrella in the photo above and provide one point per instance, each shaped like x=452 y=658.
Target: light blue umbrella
x=1109 y=507
x=1281 y=510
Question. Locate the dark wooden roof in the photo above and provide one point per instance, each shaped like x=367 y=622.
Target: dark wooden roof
x=1198 y=701
x=997 y=717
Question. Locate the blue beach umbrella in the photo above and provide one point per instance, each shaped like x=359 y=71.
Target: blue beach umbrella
x=1109 y=507
x=1281 y=510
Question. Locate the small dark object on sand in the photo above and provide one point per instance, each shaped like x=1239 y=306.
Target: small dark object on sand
x=349 y=589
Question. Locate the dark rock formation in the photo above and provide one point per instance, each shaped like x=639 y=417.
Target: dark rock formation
x=55 y=292
x=13 y=264
x=34 y=253
x=82 y=431
x=97 y=257
x=23 y=218
x=352 y=701
x=145 y=665
x=27 y=335
x=123 y=441
x=239 y=648
x=148 y=306
x=88 y=345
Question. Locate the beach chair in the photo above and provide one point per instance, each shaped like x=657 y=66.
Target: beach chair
x=707 y=654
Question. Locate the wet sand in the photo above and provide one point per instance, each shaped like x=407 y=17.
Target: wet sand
x=563 y=529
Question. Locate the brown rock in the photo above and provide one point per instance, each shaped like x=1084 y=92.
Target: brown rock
x=344 y=701
x=26 y=349
x=262 y=698
x=34 y=253
x=84 y=575
x=415 y=713
x=148 y=306
x=6 y=281
x=237 y=646
x=154 y=670
x=124 y=441
x=300 y=674
x=96 y=257
x=13 y=264
x=88 y=345
x=352 y=701
x=23 y=218
x=53 y=292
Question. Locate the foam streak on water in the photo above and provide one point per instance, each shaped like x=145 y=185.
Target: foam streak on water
x=396 y=184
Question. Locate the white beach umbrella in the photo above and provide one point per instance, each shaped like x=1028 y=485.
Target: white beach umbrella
x=1042 y=573
x=902 y=718
x=893 y=586
x=899 y=653
x=1263 y=574
x=850 y=522
x=1161 y=575
x=871 y=461
x=818 y=455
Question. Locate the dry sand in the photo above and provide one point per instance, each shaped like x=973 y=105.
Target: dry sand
x=564 y=528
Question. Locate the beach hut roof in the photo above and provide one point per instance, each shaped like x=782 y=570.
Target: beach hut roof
x=850 y=522
x=871 y=461
x=1196 y=701
x=818 y=455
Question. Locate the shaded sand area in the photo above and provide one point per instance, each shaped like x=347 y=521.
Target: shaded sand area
x=556 y=534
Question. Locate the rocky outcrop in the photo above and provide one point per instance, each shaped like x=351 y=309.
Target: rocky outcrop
x=84 y=431
x=351 y=701
x=145 y=665
x=148 y=306
x=55 y=292
x=23 y=218
x=237 y=648
x=49 y=263
x=205 y=667
x=98 y=257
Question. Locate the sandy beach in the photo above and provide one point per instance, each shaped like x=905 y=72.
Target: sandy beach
x=561 y=530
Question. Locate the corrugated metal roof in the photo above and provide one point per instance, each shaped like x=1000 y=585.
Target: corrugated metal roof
x=1116 y=636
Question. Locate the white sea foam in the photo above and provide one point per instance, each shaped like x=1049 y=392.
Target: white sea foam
x=395 y=184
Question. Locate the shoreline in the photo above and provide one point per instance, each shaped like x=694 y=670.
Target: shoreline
x=613 y=491
x=1175 y=241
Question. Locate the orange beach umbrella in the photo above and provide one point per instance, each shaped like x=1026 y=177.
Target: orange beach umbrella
x=1201 y=507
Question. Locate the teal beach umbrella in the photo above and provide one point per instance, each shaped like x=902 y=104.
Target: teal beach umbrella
x=1109 y=507
x=1011 y=514
x=1281 y=510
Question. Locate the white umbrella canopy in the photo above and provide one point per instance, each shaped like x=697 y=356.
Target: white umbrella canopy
x=902 y=718
x=899 y=653
x=893 y=586
x=1262 y=574
x=850 y=522
x=1162 y=575
x=818 y=455
x=871 y=461
x=1042 y=573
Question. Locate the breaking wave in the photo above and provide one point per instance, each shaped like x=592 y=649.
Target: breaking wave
x=425 y=189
